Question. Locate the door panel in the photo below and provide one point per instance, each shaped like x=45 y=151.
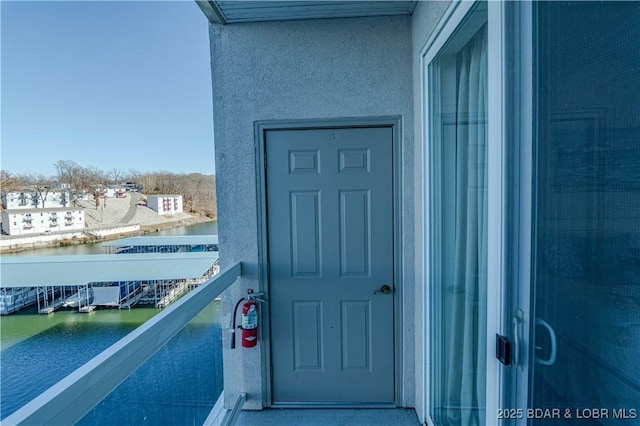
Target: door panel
x=330 y=242
x=584 y=318
x=305 y=233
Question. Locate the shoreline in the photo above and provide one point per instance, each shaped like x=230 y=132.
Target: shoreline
x=88 y=239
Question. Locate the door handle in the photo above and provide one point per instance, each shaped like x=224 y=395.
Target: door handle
x=554 y=344
x=518 y=320
x=385 y=289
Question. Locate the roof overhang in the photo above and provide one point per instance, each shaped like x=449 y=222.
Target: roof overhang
x=44 y=271
x=171 y=240
x=241 y=11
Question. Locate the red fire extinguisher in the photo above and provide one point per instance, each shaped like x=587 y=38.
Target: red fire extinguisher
x=249 y=320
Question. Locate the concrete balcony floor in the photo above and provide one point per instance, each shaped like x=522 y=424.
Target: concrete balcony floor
x=329 y=417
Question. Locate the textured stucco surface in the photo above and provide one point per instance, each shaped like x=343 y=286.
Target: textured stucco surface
x=333 y=68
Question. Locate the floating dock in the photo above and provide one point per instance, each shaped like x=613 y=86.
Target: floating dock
x=13 y=299
x=163 y=244
x=49 y=309
x=50 y=298
x=89 y=281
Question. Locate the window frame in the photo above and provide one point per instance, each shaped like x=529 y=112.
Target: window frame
x=499 y=24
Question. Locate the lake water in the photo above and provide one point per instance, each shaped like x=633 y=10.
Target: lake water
x=205 y=228
x=178 y=385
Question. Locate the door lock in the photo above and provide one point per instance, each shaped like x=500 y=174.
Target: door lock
x=385 y=289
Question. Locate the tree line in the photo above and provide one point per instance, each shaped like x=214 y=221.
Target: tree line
x=197 y=190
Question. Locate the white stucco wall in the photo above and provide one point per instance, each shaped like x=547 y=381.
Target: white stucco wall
x=330 y=68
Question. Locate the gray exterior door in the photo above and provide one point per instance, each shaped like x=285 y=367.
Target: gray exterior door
x=330 y=242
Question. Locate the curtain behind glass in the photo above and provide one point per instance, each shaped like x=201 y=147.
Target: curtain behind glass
x=458 y=345
x=466 y=375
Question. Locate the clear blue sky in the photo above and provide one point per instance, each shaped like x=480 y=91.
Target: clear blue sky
x=122 y=84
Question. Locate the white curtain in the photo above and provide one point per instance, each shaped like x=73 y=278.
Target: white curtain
x=465 y=375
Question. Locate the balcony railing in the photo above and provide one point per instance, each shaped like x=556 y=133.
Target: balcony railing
x=70 y=399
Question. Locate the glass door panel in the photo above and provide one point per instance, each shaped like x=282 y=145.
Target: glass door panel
x=584 y=343
x=458 y=288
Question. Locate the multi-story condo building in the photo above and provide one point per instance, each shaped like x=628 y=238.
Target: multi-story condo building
x=37 y=221
x=165 y=204
x=114 y=192
x=30 y=199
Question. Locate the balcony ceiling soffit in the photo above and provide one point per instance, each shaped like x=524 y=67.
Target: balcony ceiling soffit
x=239 y=11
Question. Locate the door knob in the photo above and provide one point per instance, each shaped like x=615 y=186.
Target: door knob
x=385 y=289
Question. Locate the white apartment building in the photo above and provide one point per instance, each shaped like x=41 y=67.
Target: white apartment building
x=114 y=192
x=35 y=221
x=165 y=204
x=30 y=199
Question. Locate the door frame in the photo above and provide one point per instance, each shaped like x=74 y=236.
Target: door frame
x=499 y=178
x=262 y=268
x=521 y=218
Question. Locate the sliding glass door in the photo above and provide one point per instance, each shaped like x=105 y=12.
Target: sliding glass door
x=458 y=221
x=580 y=316
x=546 y=250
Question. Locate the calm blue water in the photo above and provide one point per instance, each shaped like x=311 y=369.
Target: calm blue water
x=178 y=385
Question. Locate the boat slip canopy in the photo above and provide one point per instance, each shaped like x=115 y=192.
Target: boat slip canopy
x=177 y=240
x=41 y=271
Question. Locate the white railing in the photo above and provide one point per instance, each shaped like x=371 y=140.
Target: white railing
x=73 y=397
x=219 y=416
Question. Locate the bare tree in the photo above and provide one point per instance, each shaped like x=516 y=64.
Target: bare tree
x=70 y=175
x=94 y=183
x=40 y=187
x=116 y=175
x=169 y=183
x=149 y=183
x=133 y=176
x=9 y=182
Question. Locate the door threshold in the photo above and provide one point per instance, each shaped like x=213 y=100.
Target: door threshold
x=332 y=405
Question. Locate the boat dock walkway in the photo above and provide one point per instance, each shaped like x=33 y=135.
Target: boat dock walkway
x=52 y=306
x=110 y=280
